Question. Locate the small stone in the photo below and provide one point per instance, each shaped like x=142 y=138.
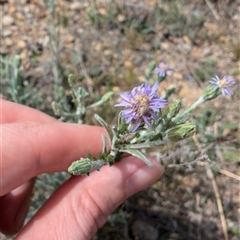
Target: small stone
x=116 y=89
x=76 y=6
x=24 y=54
x=7 y=20
x=41 y=14
x=165 y=45
x=177 y=76
x=146 y=47
x=107 y=52
x=223 y=39
x=45 y=41
x=206 y=52
x=8 y=42
x=80 y=31
x=98 y=47
x=12 y=9
x=103 y=11
x=21 y=44
x=6 y=33
x=187 y=40
x=26 y=65
x=121 y=18
x=3 y=50
x=20 y=17
x=141 y=78
x=69 y=38
x=128 y=64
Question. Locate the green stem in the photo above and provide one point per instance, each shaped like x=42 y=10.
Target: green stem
x=189 y=109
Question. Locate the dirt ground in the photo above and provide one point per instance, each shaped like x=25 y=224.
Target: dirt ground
x=109 y=44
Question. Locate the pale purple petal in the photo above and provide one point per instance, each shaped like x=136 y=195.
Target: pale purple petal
x=147 y=121
x=140 y=105
x=136 y=126
x=223 y=84
x=163 y=69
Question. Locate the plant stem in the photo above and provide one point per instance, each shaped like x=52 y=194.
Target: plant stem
x=189 y=109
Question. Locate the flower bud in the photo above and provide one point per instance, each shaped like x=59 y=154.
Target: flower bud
x=151 y=67
x=181 y=132
x=211 y=92
x=80 y=167
x=174 y=108
x=17 y=61
x=71 y=80
x=85 y=165
x=56 y=108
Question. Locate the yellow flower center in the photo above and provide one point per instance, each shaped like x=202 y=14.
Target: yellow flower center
x=164 y=67
x=143 y=107
x=222 y=83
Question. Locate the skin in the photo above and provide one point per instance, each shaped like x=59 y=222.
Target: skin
x=32 y=143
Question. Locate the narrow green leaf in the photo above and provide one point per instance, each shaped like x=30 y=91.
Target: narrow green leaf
x=105 y=148
x=138 y=154
x=144 y=145
x=104 y=99
x=105 y=125
x=107 y=96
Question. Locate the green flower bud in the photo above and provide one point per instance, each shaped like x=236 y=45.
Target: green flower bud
x=210 y=92
x=85 y=165
x=104 y=99
x=61 y=91
x=56 y=108
x=71 y=80
x=106 y=96
x=81 y=166
x=181 y=132
x=151 y=67
x=174 y=108
x=17 y=61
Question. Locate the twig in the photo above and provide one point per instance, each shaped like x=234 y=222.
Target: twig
x=85 y=73
x=219 y=202
x=219 y=154
x=201 y=158
x=197 y=143
x=229 y=174
x=215 y=14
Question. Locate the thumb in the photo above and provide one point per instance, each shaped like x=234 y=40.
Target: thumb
x=81 y=206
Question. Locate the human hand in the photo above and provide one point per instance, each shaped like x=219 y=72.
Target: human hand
x=33 y=143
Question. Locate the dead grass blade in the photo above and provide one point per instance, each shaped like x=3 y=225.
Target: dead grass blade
x=219 y=202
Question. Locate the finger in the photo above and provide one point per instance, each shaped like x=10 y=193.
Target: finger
x=14 y=207
x=13 y=112
x=82 y=205
x=29 y=149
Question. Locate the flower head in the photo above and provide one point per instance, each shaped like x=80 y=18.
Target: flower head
x=140 y=105
x=223 y=84
x=163 y=69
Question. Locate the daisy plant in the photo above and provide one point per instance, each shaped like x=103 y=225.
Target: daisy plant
x=147 y=121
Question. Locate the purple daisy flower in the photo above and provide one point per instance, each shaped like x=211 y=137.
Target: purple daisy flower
x=141 y=104
x=163 y=70
x=223 y=83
